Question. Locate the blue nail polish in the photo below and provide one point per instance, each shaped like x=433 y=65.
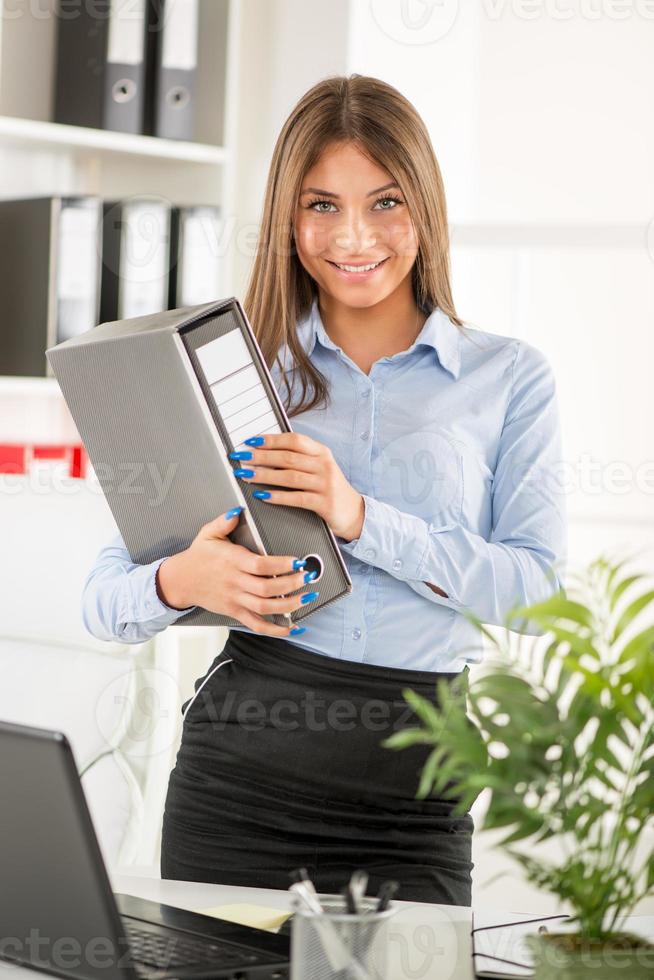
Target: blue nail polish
x=254 y=441
x=299 y=563
x=309 y=597
x=243 y=472
x=261 y=494
x=234 y=511
x=298 y=629
x=244 y=454
x=309 y=577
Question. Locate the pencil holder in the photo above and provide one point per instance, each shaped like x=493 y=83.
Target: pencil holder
x=339 y=945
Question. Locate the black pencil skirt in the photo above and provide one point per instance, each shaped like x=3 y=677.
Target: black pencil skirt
x=280 y=766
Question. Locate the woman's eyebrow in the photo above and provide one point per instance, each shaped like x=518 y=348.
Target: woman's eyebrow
x=317 y=190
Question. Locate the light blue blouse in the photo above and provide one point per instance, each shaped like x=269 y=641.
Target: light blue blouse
x=455 y=445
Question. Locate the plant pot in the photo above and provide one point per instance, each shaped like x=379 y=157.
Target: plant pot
x=569 y=956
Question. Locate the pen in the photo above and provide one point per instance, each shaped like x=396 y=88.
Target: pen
x=302 y=875
x=337 y=952
x=358 y=884
x=386 y=892
x=350 y=903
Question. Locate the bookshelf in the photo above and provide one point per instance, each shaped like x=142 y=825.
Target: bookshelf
x=39 y=156
x=80 y=140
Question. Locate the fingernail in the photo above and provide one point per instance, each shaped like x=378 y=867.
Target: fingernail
x=243 y=472
x=298 y=629
x=309 y=597
x=233 y=512
x=244 y=454
x=309 y=577
x=254 y=441
x=299 y=563
x=261 y=494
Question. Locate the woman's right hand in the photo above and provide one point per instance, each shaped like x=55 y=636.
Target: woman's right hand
x=226 y=578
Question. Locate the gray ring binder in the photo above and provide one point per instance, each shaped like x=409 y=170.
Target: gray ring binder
x=159 y=402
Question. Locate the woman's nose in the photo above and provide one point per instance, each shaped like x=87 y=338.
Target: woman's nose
x=355 y=234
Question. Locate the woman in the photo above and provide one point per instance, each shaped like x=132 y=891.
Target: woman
x=397 y=409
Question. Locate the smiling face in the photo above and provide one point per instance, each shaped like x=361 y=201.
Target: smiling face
x=350 y=213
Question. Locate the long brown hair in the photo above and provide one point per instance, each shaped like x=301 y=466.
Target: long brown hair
x=386 y=126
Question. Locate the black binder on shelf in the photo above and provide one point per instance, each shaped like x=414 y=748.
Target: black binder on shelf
x=195 y=255
x=100 y=71
x=160 y=401
x=172 y=59
x=50 y=262
x=135 y=257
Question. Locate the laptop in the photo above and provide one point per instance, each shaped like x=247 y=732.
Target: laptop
x=58 y=913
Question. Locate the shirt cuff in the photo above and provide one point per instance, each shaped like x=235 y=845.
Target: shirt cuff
x=390 y=539
x=146 y=606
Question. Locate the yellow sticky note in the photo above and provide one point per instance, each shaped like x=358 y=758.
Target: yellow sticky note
x=257 y=916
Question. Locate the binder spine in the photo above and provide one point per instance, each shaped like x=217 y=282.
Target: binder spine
x=81 y=54
x=211 y=418
x=53 y=236
x=124 y=84
x=172 y=50
x=174 y=268
x=100 y=75
x=112 y=219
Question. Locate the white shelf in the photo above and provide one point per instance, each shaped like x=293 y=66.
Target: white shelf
x=85 y=140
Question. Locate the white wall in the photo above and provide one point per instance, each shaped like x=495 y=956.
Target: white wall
x=542 y=123
x=286 y=46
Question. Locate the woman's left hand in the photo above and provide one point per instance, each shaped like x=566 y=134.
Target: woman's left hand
x=295 y=460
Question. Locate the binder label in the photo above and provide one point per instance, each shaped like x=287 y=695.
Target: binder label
x=77 y=269
x=126 y=32
x=180 y=40
x=236 y=387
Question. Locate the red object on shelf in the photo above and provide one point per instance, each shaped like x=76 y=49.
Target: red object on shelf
x=12 y=459
x=17 y=458
x=78 y=467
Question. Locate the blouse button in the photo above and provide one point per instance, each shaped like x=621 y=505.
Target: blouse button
x=365 y=435
x=397 y=563
x=370 y=552
x=356 y=633
x=365 y=393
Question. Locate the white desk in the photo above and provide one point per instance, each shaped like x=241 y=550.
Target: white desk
x=427 y=942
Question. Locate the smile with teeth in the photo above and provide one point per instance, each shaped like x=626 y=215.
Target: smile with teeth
x=358 y=268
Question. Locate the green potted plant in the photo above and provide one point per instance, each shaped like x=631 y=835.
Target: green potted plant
x=560 y=729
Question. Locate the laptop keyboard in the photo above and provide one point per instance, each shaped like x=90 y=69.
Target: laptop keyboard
x=163 y=950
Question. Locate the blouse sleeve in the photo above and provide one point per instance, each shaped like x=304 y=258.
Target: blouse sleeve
x=119 y=598
x=524 y=560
